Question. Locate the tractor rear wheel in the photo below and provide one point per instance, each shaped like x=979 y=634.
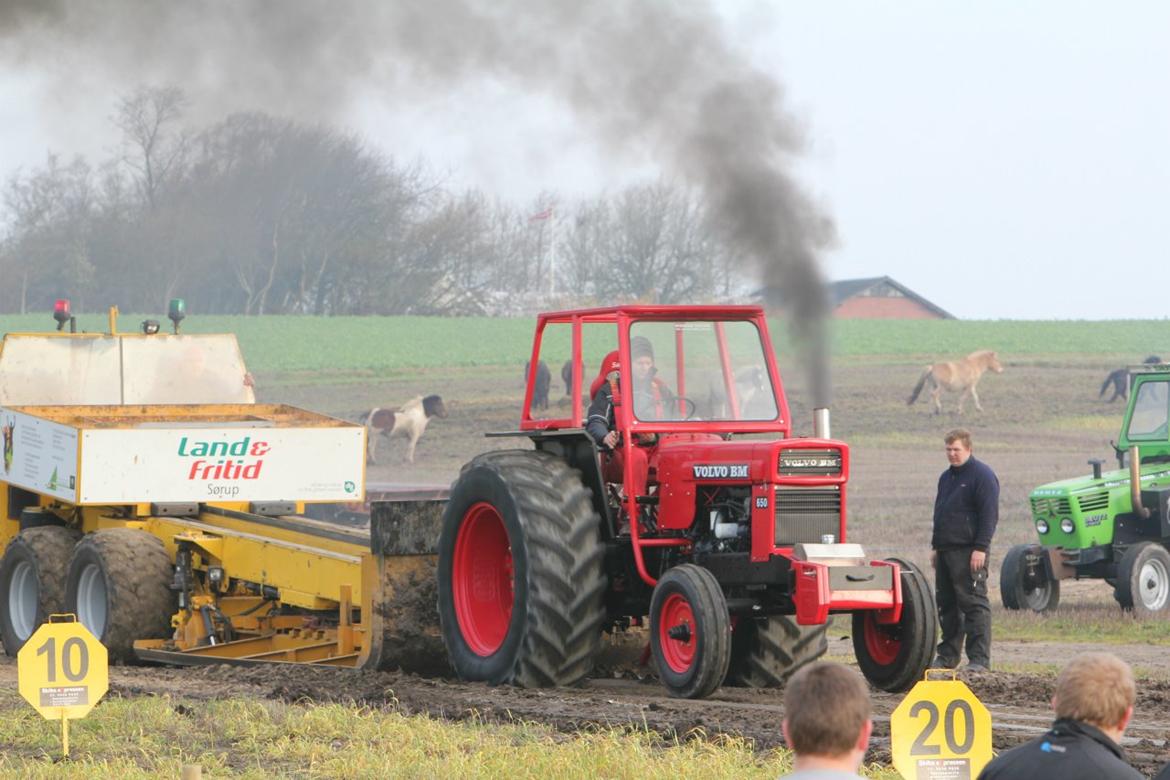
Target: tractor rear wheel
x=32 y=581
x=894 y=657
x=690 y=631
x=767 y=651
x=1143 y=579
x=119 y=588
x=1023 y=585
x=521 y=580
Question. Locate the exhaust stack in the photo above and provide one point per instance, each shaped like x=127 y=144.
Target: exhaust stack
x=1135 y=482
x=821 y=423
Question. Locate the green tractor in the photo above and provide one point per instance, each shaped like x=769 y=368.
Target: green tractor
x=1114 y=525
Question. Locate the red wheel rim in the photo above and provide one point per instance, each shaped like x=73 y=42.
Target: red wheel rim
x=677 y=652
x=481 y=579
x=881 y=642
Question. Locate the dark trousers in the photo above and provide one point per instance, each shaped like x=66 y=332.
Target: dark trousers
x=963 y=608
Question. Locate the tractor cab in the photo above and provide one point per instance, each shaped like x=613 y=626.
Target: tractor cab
x=692 y=369
x=676 y=384
x=1147 y=416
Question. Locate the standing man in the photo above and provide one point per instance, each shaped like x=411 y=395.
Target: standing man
x=1093 y=703
x=826 y=722
x=966 y=511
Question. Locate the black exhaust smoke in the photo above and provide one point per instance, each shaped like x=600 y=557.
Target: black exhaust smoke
x=658 y=81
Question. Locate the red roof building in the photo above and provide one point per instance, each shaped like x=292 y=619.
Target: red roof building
x=880 y=298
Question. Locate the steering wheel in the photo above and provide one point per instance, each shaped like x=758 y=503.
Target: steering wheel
x=690 y=408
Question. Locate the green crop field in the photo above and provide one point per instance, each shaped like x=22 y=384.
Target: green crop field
x=286 y=344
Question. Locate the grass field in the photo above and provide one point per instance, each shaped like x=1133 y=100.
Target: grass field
x=380 y=344
x=157 y=736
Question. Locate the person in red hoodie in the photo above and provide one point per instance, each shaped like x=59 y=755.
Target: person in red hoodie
x=600 y=422
x=651 y=401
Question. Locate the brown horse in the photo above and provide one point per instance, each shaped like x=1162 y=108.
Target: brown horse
x=957 y=376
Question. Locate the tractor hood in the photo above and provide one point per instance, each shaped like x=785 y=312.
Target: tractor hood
x=1080 y=512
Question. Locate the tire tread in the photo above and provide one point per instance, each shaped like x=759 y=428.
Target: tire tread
x=50 y=547
x=138 y=574
x=565 y=609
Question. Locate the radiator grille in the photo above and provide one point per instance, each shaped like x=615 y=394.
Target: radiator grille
x=807 y=514
x=1093 y=502
x=1050 y=506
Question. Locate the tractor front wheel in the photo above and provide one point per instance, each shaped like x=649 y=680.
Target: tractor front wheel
x=1143 y=579
x=1022 y=582
x=690 y=631
x=32 y=581
x=521 y=579
x=894 y=657
x=119 y=588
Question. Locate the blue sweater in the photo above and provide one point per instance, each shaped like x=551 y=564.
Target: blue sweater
x=966 y=509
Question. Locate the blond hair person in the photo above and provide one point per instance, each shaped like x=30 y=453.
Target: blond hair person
x=1093 y=703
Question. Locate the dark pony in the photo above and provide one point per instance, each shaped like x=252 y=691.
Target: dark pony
x=540 y=385
x=1118 y=380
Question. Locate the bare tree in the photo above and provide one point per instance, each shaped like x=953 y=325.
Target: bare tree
x=154 y=146
x=653 y=243
x=259 y=214
x=47 y=248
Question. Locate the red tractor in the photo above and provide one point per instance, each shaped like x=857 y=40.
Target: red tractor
x=706 y=515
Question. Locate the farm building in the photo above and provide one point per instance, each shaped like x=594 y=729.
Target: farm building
x=881 y=298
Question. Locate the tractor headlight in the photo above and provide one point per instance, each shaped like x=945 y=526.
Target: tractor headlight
x=1066 y=525
x=1042 y=526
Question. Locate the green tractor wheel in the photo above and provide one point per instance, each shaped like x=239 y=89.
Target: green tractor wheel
x=1023 y=582
x=1143 y=579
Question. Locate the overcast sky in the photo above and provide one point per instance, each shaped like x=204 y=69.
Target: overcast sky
x=1002 y=159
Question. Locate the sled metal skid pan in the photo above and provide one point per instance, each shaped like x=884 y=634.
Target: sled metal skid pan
x=387 y=570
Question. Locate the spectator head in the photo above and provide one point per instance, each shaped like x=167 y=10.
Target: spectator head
x=1096 y=688
x=958 y=446
x=641 y=355
x=826 y=714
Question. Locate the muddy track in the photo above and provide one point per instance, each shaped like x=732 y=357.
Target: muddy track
x=631 y=698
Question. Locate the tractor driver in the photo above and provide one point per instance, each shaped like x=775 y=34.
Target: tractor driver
x=652 y=398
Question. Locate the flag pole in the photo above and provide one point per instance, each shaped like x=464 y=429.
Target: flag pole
x=552 y=252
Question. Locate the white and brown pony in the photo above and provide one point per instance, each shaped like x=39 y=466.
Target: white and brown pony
x=408 y=421
x=957 y=376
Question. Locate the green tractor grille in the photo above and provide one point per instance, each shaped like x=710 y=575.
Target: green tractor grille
x=807 y=514
x=1050 y=506
x=1074 y=521
x=1094 y=502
